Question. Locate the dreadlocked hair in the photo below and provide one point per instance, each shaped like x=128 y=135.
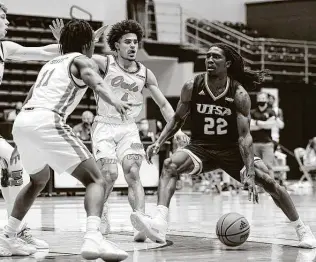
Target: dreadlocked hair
x=122 y=28
x=3 y=8
x=75 y=35
x=246 y=77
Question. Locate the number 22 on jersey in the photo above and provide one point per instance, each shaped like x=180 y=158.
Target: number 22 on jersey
x=212 y=127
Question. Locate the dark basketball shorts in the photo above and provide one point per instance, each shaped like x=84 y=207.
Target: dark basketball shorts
x=207 y=158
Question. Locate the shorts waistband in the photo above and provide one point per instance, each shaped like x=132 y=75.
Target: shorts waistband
x=28 y=109
x=113 y=120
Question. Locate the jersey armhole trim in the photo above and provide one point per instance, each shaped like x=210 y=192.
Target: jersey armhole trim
x=106 y=66
x=70 y=74
x=2 y=51
x=146 y=77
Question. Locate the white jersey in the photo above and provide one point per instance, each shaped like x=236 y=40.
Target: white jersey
x=125 y=85
x=2 y=59
x=56 y=88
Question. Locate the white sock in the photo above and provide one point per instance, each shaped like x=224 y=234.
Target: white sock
x=163 y=212
x=13 y=226
x=93 y=224
x=297 y=224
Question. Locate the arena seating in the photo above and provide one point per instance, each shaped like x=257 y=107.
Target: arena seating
x=287 y=60
x=20 y=76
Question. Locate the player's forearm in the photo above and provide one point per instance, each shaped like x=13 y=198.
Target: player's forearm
x=267 y=124
x=105 y=93
x=167 y=112
x=172 y=127
x=246 y=151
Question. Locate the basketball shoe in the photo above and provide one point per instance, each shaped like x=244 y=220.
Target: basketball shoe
x=26 y=235
x=94 y=247
x=14 y=246
x=305 y=237
x=139 y=236
x=154 y=228
x=105 y=226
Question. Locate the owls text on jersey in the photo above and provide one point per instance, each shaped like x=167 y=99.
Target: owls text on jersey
x=127 y=86
x=56 y=88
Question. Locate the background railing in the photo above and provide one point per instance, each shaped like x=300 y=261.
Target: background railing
x=283 y=57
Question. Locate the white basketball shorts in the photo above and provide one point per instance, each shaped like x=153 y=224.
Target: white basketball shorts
x=43 y=138
x=115 y=141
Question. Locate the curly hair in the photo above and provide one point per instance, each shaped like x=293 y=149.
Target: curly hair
x=3 y=8
x=122 y=28
x=246 y=77
x=75 y=35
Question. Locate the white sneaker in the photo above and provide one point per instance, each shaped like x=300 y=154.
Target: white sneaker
x=111 y=252
x=154 y=228
x=94 y=247
x=139 y=236
x=14 y=246
x=306 y=237
x=105 y=227
x=26 y=235
x=90 y=247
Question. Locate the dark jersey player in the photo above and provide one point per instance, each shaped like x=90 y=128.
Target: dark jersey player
x=220 y=112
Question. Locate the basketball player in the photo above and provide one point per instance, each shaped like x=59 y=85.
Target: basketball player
x=14 y=178
x=116 y=140
x=45 y=140
x=220 y=109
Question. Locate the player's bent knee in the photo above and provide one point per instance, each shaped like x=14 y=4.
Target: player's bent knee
x=109 y=175
x=132 y=176
x=169 y=168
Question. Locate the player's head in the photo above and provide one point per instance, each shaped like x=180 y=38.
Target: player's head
x=3 y=20
x=262 y=99
x=87 y=117
x=223 y=58
x=77 y=36
x=124 y=38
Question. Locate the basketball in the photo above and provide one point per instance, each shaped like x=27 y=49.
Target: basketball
x=232 y=229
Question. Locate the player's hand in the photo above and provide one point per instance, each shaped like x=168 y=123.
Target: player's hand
x=56 y=28
x=97 y=34
x=248 y=181
x=122 y=107
x=151 y=151
x=182 y=138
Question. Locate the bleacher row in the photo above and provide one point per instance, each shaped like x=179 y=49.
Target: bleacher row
x=293 y=62
x=20 y=76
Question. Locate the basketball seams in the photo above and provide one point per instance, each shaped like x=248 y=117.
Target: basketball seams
x=221 y=229
x=231 y=224
x=235 y=234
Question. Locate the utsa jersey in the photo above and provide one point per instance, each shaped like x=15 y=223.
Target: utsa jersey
x=125 y=85
x=2 y=59
x=56 y=88
x=214 y=120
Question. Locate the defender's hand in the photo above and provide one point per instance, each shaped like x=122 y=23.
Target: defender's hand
x=56 y=28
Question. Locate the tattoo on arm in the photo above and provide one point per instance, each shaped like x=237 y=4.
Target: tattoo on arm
x=243 y=105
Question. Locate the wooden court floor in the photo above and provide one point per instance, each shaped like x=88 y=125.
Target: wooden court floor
x=193 y=216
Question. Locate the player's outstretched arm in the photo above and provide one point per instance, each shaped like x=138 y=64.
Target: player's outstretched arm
x=86 y=69
x=165 y=107
x=178 y=119
x=243 y=105
x=17 y=52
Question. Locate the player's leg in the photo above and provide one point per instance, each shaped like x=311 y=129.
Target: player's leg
x=181 y=161
x=283 y=200
x=34 y=164
x=9 y=187
x=108 y=168
x=104 y=151
x=68 y=154
x=130 y=152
